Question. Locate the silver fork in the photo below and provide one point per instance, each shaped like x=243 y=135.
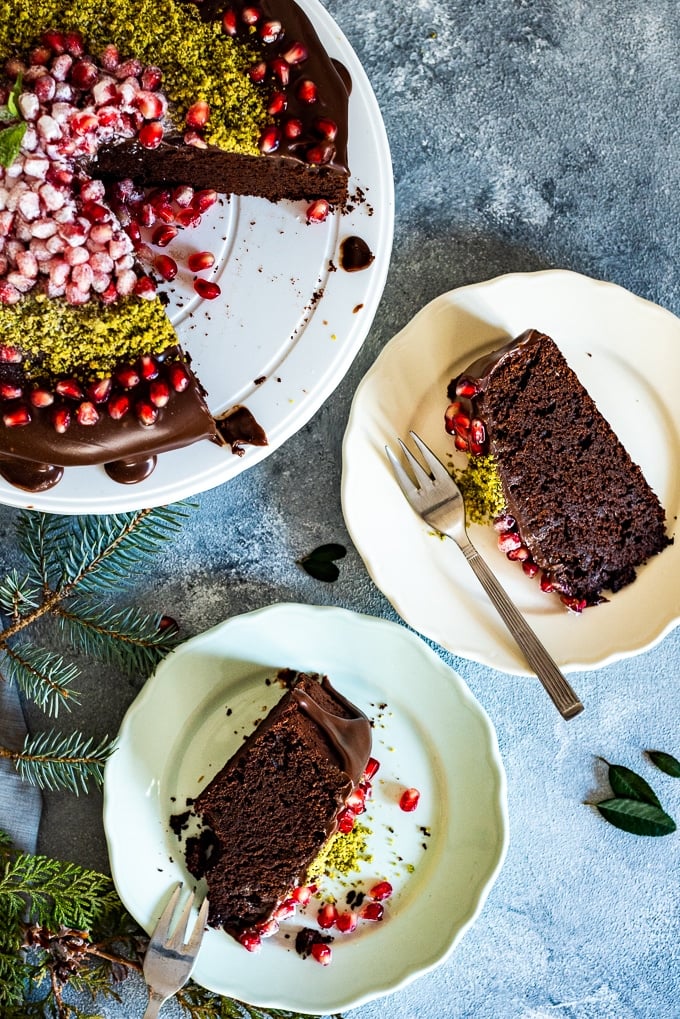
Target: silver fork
x=168 y=961
x=439 y=501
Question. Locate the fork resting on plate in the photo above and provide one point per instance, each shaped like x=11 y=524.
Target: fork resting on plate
x=439 y=501
x=169 y=960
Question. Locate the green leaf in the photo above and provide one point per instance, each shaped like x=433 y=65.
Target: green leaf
x=629 y=785
x=665 y=762
x=320 y=563
x=12 y=98
x=636 y=816
x=10 y=143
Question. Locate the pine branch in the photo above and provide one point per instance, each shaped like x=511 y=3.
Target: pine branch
x=128 y=638
x=42 y=675
x=52 y=761
x=42 y=538
x=18 y=595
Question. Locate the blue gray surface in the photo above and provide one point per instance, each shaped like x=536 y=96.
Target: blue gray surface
x=524 y=135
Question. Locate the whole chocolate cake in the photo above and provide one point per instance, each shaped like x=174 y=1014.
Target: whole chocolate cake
x=276 y=802
x=577 y=508
x=121 y=123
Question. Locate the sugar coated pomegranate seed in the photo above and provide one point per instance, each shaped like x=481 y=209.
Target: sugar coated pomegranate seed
x=322 y=953
x=408 y=800
x=302 y=894
x=198 y=115
x=200 y=260
x=151 y=135
x=318 y=211
x=207 y=289
x=382 y=890
x=250 y=940
x=286 y=909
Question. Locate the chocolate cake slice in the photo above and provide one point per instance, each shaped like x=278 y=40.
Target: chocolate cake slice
x=275 y=803
x=577 y=508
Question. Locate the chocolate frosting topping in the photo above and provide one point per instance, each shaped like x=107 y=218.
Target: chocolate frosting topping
x=349 y=737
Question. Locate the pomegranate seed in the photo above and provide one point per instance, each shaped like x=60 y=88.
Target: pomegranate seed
x=477 y=431
x=162 y=235
x=10 y=355
x=372 y=767
x=530 y=568
x=151 y=78
x=250 y=940
x=356 y=801
x=40 y=56
x=307 y=91
x=200 y=260
x=382 y=890
x=84 y=123
x=281 y=70
x=146 y=413
x=296 y=54
x=466 y=387
x=302 y=894
x=268 y=927
x=86 y=414
x=99 y=390
x=207 y=289
x=408 y=800
x=145 y=287
x=178 y=376
x=204 y=200
x=198 y=115
x=17 y=417
x=41 y=398
x=509 y=541
x=188 y=218
x=109 y=58
x=372 y=911
x=151 y=135
x=128 y=378
x=573 y=604
x=229 y=23
x=269 y=31
x=84 y=74
x=251 y=15
x=518 y=555
x=110 y=295
x=293 y=128
x=322 y=953
x=133 y=232
x=547 y=584
x=69 y=388
x=277 y=103
x=149 y=367
x=55 y=40
x=347 y=922
x=61 y=419
x=326 y=127
x=270 y=139
x=285 y=910
x=119 y=406
x=505 y=522
x=8 y=391
x=318 y=211
x=346 y=819
x=183 y=195
x=461 y=424
x=149 y=105
x=95 y=212
x=327 y=915
x=451 y=412
x=166 y=266
x=461 y=443
x=74 y=43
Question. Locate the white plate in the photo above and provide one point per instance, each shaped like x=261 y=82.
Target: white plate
x=270 y=321
x=429 y=733
x=626 y=352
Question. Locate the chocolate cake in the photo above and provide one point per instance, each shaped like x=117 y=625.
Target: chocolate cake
x=275 y=803
x=577 y=508
x=101 y=101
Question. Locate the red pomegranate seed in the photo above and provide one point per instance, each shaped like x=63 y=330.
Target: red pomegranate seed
x=86 y=414
x=183 y=195
x=281 y=70
x=10 y=355
x=61 y=419
x=200 y=260
x=382 y=890
x=198 y=115
x=118 y=406
x=69 y=388
x=84 y=123
x=519 y=554
x=269 y=31
x=74 y=43
x=346 y=820
x=110 y=295
x=530 y=568
x=576 y=605
x=84 y=74
x=146 y=413
x=178 y=376
x=99 y=390
x=229 y=23
x=270 y=139
x=268 y=927
x=347 y=922
x=322 y=953
x=250 y=940
x=204 y=200
x=133 y=232
x=547 y=584
x=95 y=212
x=251 y=15
x=55 y=40
x=128 y=378
x=509 y=541
x=318 y=211
x=151 y=78
x=188 y=218
x=207 y=289
x=149 y=367
x=302 y=894
x=306 y=91
x=17 y=417
x=9 y=391
x=151 y=135
x=466 y=387
x=278 y=102
x=372 y=767
x=477 y=432
x=285 y=910
x=149 y=105
x=356 y=801
x=109 y=57
x=296 y=54
x=505 y=522
x=327 y=915
x=326 y=127
x=293 y=128
x=145 y=287
x=372 y=911
x=166 y=266
x=41 y=398
x=163 y=234
x=461 y=443
x=408 y=800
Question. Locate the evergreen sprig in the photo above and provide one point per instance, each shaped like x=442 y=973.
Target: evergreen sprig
x=76 y=567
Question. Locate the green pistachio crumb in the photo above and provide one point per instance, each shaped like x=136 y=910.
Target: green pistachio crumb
x=482 y=489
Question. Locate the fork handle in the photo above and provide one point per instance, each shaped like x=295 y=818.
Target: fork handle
x=154 y=1006
x=563 y=696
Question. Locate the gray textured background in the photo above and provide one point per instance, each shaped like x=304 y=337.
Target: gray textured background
x=524 y=135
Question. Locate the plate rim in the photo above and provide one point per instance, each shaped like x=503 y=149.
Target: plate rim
x=507 y=662
x=459 y=692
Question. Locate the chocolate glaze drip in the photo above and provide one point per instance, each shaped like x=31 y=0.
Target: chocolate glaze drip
x=239 y=426
x=349 y=737
x=355 y=254
x=132 y=470
x=32 y=477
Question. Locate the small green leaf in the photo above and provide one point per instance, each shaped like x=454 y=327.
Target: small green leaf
x=629 y=785
x=10 y=143
x=320 y=563
x=665 y=762
x=636 y=817
x=12 y=105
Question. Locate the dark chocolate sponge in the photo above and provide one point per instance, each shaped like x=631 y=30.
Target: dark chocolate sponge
x=274 y=804
x=583 y=508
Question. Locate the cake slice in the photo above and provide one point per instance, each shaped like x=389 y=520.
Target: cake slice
x=577 y=508
x=275 y=804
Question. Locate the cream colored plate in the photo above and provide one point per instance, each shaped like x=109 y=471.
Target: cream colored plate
x=626 y=352
x=429 y=732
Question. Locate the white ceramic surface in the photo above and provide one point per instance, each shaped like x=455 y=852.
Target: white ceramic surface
x=429 y=732
x=285 y=314
x=626 y=352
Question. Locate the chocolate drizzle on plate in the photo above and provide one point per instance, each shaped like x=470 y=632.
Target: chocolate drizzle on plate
x=238 y=426
x=355 y=254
